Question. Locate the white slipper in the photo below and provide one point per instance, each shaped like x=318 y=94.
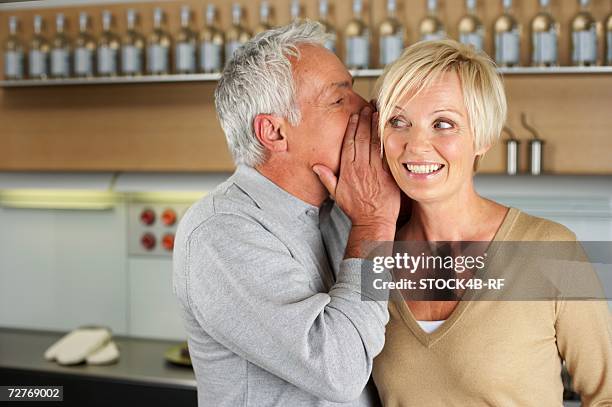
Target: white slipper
x=77 y=345
x=107 y=354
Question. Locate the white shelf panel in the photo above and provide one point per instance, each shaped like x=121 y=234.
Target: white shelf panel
x=211 y=77
x=200 y=77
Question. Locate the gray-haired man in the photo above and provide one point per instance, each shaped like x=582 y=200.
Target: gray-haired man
x=266 y=268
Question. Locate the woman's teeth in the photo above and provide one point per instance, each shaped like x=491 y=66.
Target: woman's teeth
x=423 y=169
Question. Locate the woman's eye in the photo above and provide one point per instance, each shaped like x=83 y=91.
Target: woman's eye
x=397 y=122
x=441 y=124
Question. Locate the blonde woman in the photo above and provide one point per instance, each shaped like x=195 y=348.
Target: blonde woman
x=441 y=107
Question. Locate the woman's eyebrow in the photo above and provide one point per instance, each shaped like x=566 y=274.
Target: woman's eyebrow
x=447 y=109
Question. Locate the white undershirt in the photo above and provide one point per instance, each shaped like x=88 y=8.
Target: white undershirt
x=430 y=326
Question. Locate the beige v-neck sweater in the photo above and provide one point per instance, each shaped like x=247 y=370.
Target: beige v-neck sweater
x=500 y=353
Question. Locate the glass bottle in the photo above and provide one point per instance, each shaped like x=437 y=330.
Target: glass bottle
x=60 y=50
x=357 y=40
x=237 y=34
x=391 y=36
x=158 y=46
x=132 y=47
x=330 y=44
x=84 y=49
x=13 y=52
x=609 y=39
x=471 y=30
x=431 y=27
x=507 y=38
x=186 y=45
x=544 y=37
x=38 y=56
x=264 y=18
x=108 y=47
x=584 y=36
x=211 y=44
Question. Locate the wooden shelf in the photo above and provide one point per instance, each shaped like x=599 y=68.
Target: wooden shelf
x=211 y=77
x=169 y=123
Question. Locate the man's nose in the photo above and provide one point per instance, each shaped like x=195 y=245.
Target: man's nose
x=357 y=103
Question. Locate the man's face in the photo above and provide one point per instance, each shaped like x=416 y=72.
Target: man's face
x=325 y=96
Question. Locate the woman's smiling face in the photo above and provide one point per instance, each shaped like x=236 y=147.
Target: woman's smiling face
x=428 y=141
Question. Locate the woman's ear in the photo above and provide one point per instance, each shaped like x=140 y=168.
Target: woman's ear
x=482 y=150
x=270 y=131
x=479 y=155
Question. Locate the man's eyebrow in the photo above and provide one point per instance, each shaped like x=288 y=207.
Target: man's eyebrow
x=340 y=84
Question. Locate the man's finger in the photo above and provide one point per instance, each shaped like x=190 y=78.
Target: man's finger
x=373 y=103
x=374 y=141
x=348 y=144
x=385 y=164
x=363 y=135
x=327 y=178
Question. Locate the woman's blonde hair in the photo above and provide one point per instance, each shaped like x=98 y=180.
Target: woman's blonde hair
x=422 y=63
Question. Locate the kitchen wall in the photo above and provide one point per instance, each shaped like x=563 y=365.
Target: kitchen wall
x=60 y=269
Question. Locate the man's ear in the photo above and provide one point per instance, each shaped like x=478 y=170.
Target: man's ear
x=270 y=131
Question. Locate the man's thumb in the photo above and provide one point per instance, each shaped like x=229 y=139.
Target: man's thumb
x=327 y=178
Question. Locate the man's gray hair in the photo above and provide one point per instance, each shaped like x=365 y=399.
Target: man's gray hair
x=258 y=80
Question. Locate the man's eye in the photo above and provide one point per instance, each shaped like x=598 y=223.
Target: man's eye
x=441 y=124
x=397 y=122
x=339 y=101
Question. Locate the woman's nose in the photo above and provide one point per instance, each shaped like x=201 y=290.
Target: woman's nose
x=417 y=141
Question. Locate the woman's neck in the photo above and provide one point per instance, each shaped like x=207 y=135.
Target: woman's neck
x=464 y=216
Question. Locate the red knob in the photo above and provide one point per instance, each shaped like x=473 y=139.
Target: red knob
x=147 y=216
x=168 y=217
x=148 y=241
x=168 y=241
